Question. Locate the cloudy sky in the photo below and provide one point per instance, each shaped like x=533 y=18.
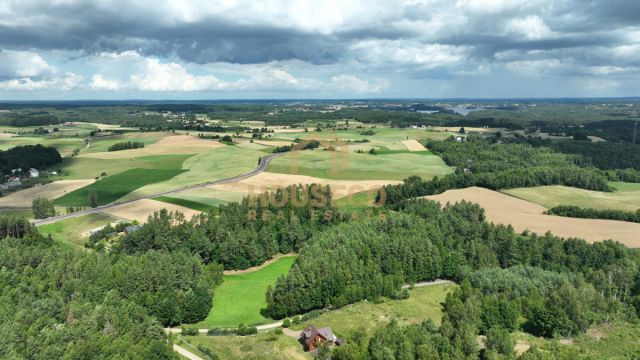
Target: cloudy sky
x=218 y=49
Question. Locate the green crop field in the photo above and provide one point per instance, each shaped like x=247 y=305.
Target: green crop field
x=220 y=163
x=70 y=232
x=185 y=203
x=626 y=197
x=350 y=166
x=240 y=297
x=86 y=168
x=102 y=143
x=113 y=187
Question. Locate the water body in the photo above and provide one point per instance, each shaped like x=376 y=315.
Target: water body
x=459 y=109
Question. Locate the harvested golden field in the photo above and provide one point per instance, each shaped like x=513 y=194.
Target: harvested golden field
x=5 y=135
x=168 y=145
x=54 y=190
x=524 y=215
x=141 y=209
x=413 y=145
x=266 y=181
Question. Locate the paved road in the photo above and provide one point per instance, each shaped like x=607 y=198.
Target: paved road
x=264 y=162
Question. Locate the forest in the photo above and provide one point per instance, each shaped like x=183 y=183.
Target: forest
x=502 y=165
x=61 y=304
x=28 y=156
x=240 y=235
x=586 y=213
x=559 y=287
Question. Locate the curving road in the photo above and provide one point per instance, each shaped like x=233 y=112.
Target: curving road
x=264 y=162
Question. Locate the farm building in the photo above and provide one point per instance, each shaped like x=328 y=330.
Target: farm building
x=312 y=337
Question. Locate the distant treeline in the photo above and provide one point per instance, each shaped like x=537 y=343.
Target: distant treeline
x=587 y=213
x=28 y=156
x=127 y=145
x=495 y=166
x=34 y=119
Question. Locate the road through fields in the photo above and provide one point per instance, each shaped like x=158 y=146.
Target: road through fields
x=264 y=162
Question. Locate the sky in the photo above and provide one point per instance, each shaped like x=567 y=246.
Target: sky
x=270 y=49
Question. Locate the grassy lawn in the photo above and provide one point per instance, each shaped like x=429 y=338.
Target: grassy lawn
x=626 y=197
x=240 y=297
x=258 y=347
x=350 y=166
x=71 y=232
x=184 y=202
x=113 y=187
x=422 y=304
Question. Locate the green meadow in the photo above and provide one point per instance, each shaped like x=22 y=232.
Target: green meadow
x=352 y=166
x=71 y=232
x=626 y=197
x=87 y=168
x=240 y=297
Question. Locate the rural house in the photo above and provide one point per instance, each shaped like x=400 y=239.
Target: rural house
x=312 y=337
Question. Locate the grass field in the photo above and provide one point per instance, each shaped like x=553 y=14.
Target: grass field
x=626 y=197
x=357 y=201
x=258 y=347
x=240 y=297
x=614 y=341
x=184 y=202
x=350 y=166
x=113 y=187
x=71 y=232
x=422 y=304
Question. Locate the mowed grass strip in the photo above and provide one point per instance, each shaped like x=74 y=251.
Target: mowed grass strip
x=113 y=187
x=240 y=297
x=185 y=202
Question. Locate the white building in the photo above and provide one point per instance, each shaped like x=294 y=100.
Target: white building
x=33 y=173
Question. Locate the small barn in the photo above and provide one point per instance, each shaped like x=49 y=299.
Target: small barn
x=312 y=337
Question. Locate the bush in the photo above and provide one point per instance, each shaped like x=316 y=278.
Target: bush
x=244 y=330
x=286 y=323
x=189 y=331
